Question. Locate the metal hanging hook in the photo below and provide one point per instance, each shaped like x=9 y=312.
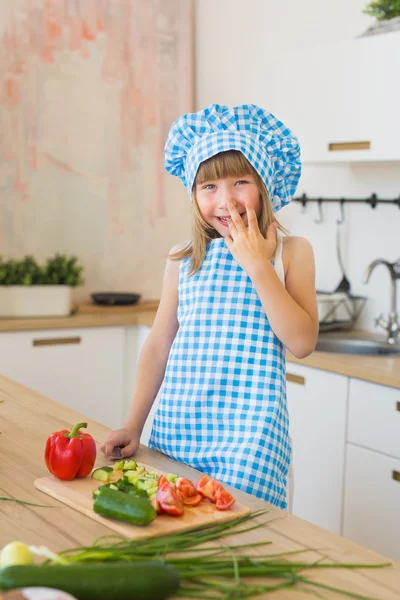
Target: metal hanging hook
x=321 y=216
x=303 y=200
x=341 y=220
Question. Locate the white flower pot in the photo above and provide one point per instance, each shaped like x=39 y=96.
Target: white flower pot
x=35 y=301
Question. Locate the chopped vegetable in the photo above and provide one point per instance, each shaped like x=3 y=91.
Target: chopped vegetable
x=129 y=465
x=188 y=492
x=215 y=492
x=15 y=553
x=70 y=454
x=103 y=474
x=168 y=498
x=119 y=465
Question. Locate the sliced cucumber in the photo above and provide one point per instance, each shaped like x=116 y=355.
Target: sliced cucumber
x=129 y=465
x=103 y=474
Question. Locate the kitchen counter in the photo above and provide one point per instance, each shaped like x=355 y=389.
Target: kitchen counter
x=384 y=370
x=27 y=418
x=87 y=316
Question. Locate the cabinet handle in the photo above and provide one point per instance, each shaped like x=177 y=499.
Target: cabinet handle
x=396 y=475
x=295 y=378
x=340 y=146
x=398 y=406
x=56 y=341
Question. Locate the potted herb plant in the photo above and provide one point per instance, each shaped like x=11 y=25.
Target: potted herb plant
x=387 y=13
x=29 y=289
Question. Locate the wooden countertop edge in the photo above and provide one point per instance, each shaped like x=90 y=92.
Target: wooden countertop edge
x=382 y=370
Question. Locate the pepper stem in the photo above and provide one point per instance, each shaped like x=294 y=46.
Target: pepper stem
x=74 y=432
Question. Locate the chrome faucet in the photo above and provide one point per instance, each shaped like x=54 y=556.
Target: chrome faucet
x=391 y=324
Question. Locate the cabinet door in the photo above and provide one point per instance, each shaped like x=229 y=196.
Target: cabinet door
x=374 y=417
x=317 y=403
x=372 y=500
x=80 y=368
x=338 y=96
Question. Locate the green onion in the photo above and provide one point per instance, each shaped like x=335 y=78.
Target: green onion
x=23 y=502
x=217 y=572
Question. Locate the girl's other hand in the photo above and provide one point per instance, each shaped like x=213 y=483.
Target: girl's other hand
x=248 y=247
x=126 y=439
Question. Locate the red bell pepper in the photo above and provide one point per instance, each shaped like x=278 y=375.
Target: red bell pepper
x=70 y=454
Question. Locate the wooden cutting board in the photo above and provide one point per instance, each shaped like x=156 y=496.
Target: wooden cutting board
x=78 y=495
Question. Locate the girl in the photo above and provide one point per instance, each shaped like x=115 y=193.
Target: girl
x=233 y=298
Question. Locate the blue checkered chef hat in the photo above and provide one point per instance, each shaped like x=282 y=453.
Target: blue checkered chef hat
x=269 y=146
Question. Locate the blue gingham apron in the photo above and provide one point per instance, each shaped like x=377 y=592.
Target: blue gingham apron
x=222 y=406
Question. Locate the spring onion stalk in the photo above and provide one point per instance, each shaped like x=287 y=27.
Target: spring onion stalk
x=6 y=499
x=216 y=572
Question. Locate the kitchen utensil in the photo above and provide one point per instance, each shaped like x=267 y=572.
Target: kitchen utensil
x=115 y=298
x=344 y=285
x=116 y=453
x=78 y=495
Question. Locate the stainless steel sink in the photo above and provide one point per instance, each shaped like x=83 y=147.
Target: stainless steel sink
x=355 y=346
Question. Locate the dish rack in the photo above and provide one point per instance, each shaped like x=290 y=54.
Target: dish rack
x=338 y=310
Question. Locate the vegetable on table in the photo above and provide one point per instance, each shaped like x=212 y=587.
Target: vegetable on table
x=70 y=454
x=215 y=492
x=109 y=581
x=16 y=553
x=115 y=504
x=168 y=498
x=168 y=494
x=209 y=567
x=103 y=474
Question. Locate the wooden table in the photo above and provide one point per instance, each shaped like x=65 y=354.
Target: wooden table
x=27 y=418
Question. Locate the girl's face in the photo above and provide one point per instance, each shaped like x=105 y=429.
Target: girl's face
x=212 y=197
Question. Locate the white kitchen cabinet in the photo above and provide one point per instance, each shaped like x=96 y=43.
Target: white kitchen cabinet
x=317 y=402
x=374 y=417
x=80 y=368
x=372 y=482
x=372 y=501
x=338 y=96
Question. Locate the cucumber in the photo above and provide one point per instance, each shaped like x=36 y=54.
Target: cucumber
x=129 y=465
x=124 y=507
x=103 y=473
x=97 y=581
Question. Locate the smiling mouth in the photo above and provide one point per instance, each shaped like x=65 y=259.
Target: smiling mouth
x=224 y=220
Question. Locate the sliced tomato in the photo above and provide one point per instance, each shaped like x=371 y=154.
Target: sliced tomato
x=169 y=499
x=162 y=479
x=224 y=499
x=206 y=486
x=156 y=505
x=188 y=492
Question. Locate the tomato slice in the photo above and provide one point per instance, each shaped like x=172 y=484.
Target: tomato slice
x=156 y=505
x=188 y=492
x=206 y=486
x=224 y=499
x=162 y=479
x=169 y=499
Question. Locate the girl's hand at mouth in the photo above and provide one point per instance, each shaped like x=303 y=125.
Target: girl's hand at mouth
x=246 y=244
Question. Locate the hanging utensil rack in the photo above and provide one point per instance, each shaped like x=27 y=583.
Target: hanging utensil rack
x=372 y=200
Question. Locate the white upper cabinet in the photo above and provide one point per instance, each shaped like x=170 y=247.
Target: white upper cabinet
x=342 y=100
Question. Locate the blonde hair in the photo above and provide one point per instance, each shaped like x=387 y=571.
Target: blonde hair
x=230 y=163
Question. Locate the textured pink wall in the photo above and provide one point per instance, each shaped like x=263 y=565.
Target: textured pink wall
x=89 y=89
